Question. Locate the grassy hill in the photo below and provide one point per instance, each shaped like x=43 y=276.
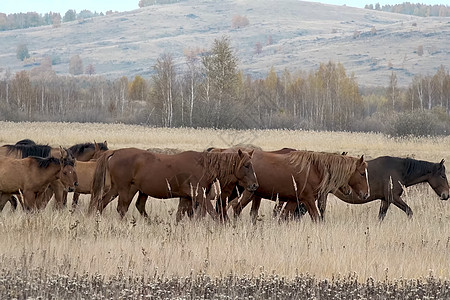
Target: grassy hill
x=370 y=44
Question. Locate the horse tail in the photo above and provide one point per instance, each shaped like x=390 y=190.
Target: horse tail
x=101 y=175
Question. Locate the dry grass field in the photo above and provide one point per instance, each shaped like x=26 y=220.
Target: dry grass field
x=67 y=254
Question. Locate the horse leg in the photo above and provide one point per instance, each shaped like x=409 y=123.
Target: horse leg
x=383 y=209
x=256 y=203
x=403 y=206
x=140 y=204
x=205 y=204
x=4 y=198
x=311 y=208
x=239 y=205
x=64 y=198
x=75 y=198
x=277 y=208
x=58 y=189
x=29 y=201
x=322 y=205
x=125 y=198
x=104 y=201
x=13 y=202
x=288 y=210
x=184 y=207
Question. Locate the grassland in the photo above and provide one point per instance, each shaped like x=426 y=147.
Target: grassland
x=67 y=254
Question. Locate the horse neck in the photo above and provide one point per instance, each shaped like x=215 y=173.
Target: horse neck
x=416 y=171
x=216 y=170
x=55 y=152
x=49 y=174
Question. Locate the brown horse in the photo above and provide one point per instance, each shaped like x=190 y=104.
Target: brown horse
x=303 y=177
x=31 y=176
x=84 y=152
x=85 y=172
x=88 y=151
x=27 y=147
x=388 y=175
x=233 y=192
x=188 y=174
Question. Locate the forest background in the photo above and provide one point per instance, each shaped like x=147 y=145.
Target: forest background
x=205 y=86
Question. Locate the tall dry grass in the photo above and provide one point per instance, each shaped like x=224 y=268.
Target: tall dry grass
x=351 y=241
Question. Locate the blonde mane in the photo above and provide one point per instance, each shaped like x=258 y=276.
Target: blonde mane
x=334 y=169
x=221 y=165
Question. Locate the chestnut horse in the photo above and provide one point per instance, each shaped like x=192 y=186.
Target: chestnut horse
x=303 y=177
x=232 y=192
x=188 y=174
x=31 y=176
x=85 y=172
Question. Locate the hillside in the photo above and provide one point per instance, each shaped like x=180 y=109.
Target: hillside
x=368 y=43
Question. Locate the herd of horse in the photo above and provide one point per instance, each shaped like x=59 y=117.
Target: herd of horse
x=298 y=180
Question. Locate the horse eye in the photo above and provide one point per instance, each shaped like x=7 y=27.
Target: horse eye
x=247 y=166
x=363 y=174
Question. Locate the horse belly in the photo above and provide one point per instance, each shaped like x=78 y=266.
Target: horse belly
x=8 y=184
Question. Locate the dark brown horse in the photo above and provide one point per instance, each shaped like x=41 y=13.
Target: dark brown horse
x=303 y=177
x=31 y=176
x=188 y=174
x=88 y=151
x=388 y=174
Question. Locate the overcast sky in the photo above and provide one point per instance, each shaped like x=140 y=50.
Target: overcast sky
x=61 y=6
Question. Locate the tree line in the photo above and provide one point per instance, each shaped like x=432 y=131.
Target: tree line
x=415 y=9
x=209 y=90
x=34 y=19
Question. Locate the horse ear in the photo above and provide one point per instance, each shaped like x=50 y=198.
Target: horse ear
x=361 y=160
x=240 y=152
x=344 y=153
x=442 y=162
x=251 y=153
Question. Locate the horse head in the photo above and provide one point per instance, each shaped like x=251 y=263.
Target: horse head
x=359 y=180
x=245 y=174
x=438 y=180
x=68 y=176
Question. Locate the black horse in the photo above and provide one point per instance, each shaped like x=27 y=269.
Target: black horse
x=387 y=177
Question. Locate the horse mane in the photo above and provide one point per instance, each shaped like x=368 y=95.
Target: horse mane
x=80 y=148
x=25 y=142
x=221 y=165
x=415 y=168
x=30 y=150
x=44 y=163
x=335 y=169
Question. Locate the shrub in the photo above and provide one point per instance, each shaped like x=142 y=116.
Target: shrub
x=419 y=123
x=420 y=50
x=239 y=21
x=22 y=52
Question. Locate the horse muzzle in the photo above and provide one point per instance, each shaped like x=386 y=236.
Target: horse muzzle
x=253 y=187
x=364 y=196
x=444 y=196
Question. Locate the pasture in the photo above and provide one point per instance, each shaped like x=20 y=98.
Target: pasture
x=105 y=253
